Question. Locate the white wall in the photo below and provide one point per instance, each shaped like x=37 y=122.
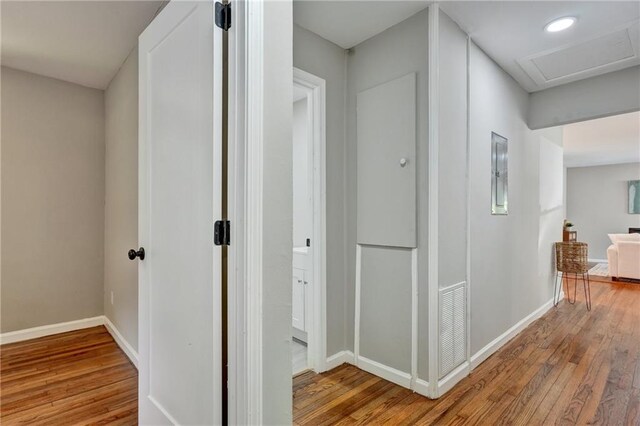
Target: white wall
x=552 y=199
x=53 y=177
x=302 y=210
x=452 y=214
x=394 y=53
x=511 y=256
x=597 y=204
x=608 y=94
x=315 y=55
x=505 y=250
x=121 y=200
x=375 y=61
x=452 y=153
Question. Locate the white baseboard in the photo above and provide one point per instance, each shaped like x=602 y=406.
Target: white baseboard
x=422 y=387
x=338 y=359
x=598 y=260
x=499 y=341
x=121 y=341
x=47 y=330
x=450 y=380
x=63 y=327
x=388 y=373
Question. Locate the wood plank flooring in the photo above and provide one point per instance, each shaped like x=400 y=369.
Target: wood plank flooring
x=569 y=367
x=76 y=378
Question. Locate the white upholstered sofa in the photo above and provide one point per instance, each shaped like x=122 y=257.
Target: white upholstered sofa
x=624 y=256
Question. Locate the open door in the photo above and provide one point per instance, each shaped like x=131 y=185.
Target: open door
x=180 y=188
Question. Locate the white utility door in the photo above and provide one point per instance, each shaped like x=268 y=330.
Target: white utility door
x=179 y=200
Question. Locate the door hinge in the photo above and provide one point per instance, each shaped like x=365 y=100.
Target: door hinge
x=222 y=233
x=223 y=15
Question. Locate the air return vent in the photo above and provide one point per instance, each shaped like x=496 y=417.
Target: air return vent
x=453 y=327
x=608 y=52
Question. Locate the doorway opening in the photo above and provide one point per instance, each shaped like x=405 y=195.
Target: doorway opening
x=308 y=347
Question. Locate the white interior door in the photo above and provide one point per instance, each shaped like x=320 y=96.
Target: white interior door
x=179 y=200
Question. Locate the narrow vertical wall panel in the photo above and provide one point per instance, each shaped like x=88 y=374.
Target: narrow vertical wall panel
x=452 y=153
x=386 y=134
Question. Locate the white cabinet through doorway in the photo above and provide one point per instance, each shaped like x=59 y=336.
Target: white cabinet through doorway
x=300 y=292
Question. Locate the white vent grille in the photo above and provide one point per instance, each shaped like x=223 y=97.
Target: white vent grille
x=453 y=327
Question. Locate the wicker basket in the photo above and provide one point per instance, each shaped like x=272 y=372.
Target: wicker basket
x=571 y=257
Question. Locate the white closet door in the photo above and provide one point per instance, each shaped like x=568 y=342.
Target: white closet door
x=179 y=200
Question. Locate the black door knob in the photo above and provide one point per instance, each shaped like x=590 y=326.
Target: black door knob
x=133 y=254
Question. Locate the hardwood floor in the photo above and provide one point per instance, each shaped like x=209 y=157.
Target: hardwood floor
x=78 y=378
x=569 y=367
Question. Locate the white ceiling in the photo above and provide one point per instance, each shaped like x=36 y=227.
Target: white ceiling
x=83 y=42
x=605 y=38
x=512 y=34
x=609 y=140
x=348 y=23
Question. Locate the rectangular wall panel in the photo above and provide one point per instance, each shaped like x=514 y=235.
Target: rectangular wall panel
x=386 y=134
x=385 y=306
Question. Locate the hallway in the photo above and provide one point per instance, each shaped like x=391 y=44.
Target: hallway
x=569 y=367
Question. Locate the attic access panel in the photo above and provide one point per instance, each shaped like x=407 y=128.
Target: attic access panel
x=606 y=52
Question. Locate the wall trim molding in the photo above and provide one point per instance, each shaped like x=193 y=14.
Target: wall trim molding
x=450 y=380
x=64 y=327
x=126 y=347
x=356 y=327
x=422 y=387
x=452 y=286
x=339 y=358
x=50 y=329
x=376 y=368
x=500 y=341
x=433 y=284
x=250 y=393
x=468 y=218
x=414 y=317
x=384 y=371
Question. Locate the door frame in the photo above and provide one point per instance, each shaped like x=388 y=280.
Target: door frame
x=315 y=306
x=245 y=213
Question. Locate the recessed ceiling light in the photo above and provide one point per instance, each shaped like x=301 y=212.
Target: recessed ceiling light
x=560 y=24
